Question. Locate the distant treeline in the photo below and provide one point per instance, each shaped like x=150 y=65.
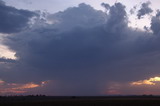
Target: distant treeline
x=111 y=96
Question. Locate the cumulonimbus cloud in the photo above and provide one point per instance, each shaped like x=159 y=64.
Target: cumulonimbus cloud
x=84 y=49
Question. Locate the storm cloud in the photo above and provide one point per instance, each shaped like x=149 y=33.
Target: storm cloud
x=13 y=20
x=82 y=49
x=82 y=16
x=155 y=23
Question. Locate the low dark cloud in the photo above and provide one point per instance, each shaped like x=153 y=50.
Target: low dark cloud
x=13 y=20
x=145 y=9
x=4 y=60
x=82 y=50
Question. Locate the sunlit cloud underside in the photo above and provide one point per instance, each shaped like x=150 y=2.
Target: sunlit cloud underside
x=16 y=88
x=150 y=81
x=6 y=53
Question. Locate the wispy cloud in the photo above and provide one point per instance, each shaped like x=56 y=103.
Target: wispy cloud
x=17 y=88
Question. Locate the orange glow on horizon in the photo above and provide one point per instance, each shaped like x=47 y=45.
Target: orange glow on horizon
x=28 y=86
x=16 y=88
x=112 y=92
x=1 y=81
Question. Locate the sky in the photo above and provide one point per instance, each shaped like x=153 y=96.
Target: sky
x=79 y=47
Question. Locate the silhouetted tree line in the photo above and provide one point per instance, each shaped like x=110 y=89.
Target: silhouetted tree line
x=38 y=95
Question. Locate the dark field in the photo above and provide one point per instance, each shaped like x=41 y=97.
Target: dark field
x=80 y=101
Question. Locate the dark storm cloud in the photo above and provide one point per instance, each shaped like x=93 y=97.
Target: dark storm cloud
x=155 y=23
x=83 y=51
x=82 y=16
x=145 y=9
x=158 y=13
x=2 y=2
x=80 y=47
x=117 y=20
x=13 y=20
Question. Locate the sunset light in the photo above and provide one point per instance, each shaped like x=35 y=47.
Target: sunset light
x=151 y=81
x=17 y=88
